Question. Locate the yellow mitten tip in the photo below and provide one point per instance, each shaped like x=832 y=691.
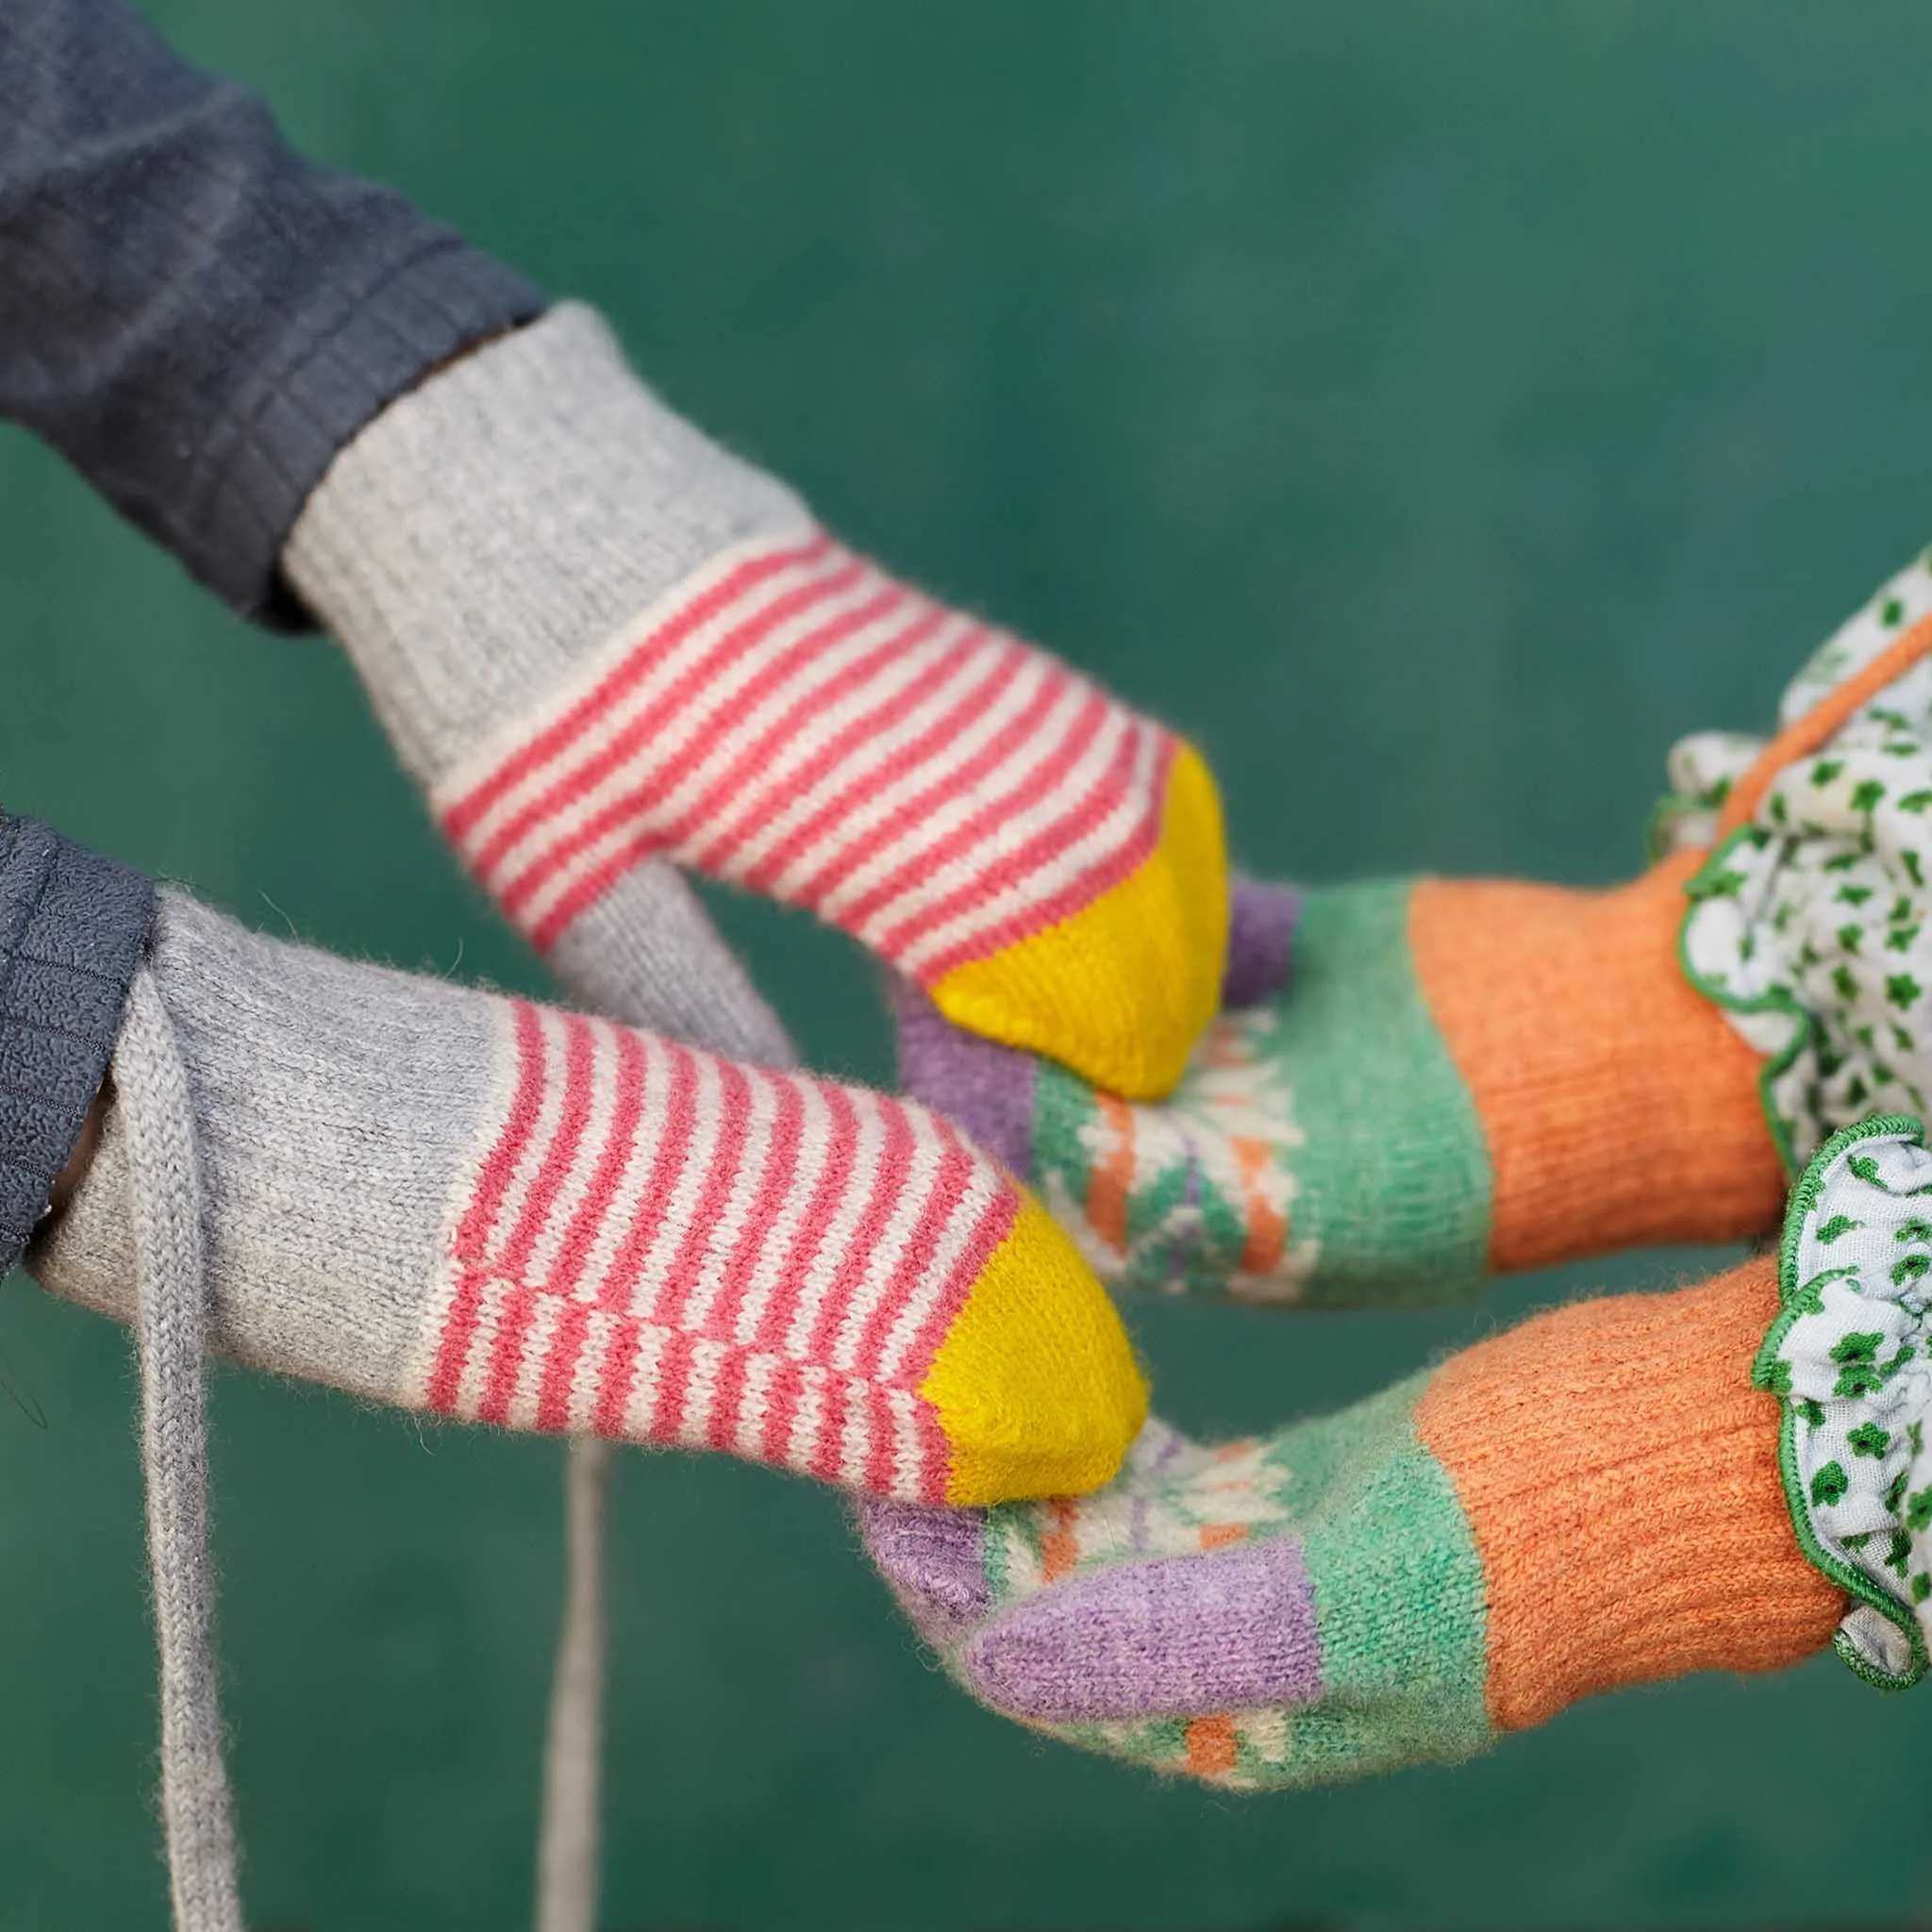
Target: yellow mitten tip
x=1035 y=1384
x=1120 y=991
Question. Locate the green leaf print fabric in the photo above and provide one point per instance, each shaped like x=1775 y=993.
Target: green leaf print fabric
x=1811 y=925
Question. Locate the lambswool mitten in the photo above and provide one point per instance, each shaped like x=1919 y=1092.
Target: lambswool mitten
x=1726 y=1477
x=1590 y=1501
x=1417 y=1083
x=486 y=1208
x=1414 y=1084
x=489 y=1210
x=596 y=638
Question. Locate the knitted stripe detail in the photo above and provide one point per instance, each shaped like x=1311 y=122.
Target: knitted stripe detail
x=1620 y=1476
x=1619 y=1107
x=661 y=1246
x=1394 y=1180
x=1399 y=1596
x=791 y=719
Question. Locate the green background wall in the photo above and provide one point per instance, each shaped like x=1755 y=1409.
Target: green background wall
x=1435 y=409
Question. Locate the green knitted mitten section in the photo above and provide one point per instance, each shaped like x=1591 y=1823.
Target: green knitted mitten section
x=1322 y=1147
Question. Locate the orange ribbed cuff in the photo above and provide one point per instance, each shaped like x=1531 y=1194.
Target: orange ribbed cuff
x=1620 y=1476
x=1620 y=1109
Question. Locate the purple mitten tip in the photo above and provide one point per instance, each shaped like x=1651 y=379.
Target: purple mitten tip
x=931 y=1560
x=1231 y=1630
x=988 y=1088
x=1261 y=940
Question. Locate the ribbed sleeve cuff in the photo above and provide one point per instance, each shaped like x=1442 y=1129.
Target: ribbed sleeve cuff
x=193 y=314
x=73 y=928
x=358 y=347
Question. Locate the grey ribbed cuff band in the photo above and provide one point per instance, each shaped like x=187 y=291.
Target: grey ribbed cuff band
x=73 y=927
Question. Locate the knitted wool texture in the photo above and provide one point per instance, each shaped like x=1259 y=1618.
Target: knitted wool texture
x=1414 y=1084
x=486 y=1208
x=1590 y=1501
x=167 y=1238
x=597 y=638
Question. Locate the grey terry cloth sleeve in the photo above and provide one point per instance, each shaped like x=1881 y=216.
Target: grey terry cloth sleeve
x=73 y=929
x=196 y=317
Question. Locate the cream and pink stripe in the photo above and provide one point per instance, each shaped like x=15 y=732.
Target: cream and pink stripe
x=663 y=1246
x=795 y=721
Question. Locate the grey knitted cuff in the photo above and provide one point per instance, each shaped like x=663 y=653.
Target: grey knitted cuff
x=73 y=928
x=481 y=537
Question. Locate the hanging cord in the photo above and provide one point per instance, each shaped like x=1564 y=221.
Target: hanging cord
x=197 y=1813
x=197 y=1808
x=567 y=1845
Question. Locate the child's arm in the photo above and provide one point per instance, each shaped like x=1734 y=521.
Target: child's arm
x=197 y=317
x=200 y=319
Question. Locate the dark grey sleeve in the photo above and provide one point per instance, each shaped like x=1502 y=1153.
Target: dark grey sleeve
x=192 y=314
x=73 y=928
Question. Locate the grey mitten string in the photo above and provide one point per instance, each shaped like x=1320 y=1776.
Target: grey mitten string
x=197 y=1807
x=569 y=1833
x=197 y=1810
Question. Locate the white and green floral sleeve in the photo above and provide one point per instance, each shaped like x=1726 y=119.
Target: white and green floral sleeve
x=1811 y=925
x=1848 y=1358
